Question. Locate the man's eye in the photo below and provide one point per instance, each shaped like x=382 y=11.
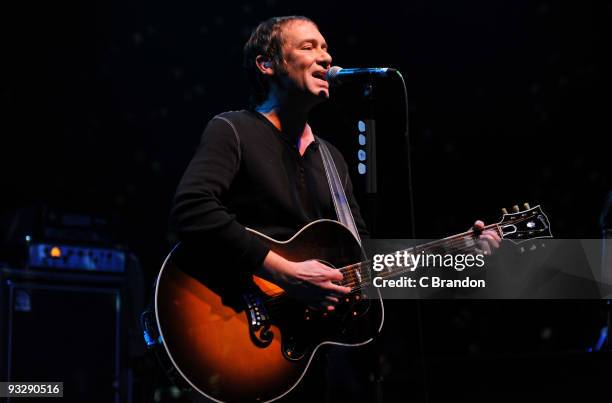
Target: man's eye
x=307 y=47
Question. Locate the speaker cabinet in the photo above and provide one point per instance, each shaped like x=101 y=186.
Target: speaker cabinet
x=64 y=327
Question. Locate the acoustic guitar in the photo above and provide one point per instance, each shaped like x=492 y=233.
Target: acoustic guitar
x=236 y=337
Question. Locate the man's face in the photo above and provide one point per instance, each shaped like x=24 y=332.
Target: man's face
x=306 y=60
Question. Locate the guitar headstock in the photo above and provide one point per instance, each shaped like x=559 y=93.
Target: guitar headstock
x=521 y=226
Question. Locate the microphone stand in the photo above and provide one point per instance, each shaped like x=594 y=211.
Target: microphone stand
x=603 y=342
x=371 y=197
x=606 y=270
x=371 y=190
x=372 y=200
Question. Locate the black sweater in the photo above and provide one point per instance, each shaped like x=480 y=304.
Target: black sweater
x=246 y=173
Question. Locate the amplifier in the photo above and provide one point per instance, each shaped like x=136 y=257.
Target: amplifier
x=66 y=327
x=49 y=255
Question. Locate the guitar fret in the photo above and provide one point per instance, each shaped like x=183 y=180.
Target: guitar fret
x=358 y=274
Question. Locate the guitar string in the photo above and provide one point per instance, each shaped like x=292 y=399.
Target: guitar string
x=351 y=278
x=357 y=285
x=277 y=298
x=446 y=243
x=353 y=281
x=273 y=306
x=440 y=244
x=362 y=284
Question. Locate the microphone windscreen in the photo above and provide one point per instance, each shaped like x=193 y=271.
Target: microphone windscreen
x=332 y=73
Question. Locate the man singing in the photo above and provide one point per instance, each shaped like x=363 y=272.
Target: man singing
x=262 y=167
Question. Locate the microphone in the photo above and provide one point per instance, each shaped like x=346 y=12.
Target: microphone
x=337 y=75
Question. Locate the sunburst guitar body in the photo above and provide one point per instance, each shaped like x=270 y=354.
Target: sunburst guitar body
x=235 y=337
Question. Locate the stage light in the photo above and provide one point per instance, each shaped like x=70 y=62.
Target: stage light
x=55 y=252
x=361 y=126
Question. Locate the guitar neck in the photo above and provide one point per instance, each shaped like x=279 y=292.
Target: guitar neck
x=518 y=227
x=359 y=275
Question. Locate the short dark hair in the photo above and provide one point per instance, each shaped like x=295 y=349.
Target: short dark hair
x=265 y=40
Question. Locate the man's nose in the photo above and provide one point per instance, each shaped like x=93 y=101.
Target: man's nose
x=324 y=59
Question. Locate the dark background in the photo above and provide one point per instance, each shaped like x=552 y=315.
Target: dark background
x=103 y=104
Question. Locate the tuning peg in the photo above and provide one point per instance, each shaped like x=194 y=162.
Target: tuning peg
x=504 y=211
x=515 y=208
x=526 y=205
x=533 y=247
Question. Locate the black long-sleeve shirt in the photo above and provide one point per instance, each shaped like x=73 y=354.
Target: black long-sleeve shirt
x=247 y=173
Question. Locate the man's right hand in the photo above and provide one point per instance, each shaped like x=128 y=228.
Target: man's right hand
x=310 y=281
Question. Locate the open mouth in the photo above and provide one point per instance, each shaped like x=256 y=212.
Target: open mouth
x=321 y=75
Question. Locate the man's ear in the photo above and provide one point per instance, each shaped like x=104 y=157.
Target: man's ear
x=264 y=65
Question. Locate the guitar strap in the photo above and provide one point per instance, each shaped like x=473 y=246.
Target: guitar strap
x=343 y=210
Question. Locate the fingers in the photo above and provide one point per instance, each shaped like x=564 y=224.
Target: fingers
x=487 y=239
x=338 y=289
x=490 y=238
x=494 y=234
x=334 y=275
x=486 y=249
x=332 y=299
x=329 y=304
x=321 y=284
x=479 y=226
x=321 y=306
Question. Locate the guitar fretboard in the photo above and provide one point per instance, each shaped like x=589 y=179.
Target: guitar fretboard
x=359 y=275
